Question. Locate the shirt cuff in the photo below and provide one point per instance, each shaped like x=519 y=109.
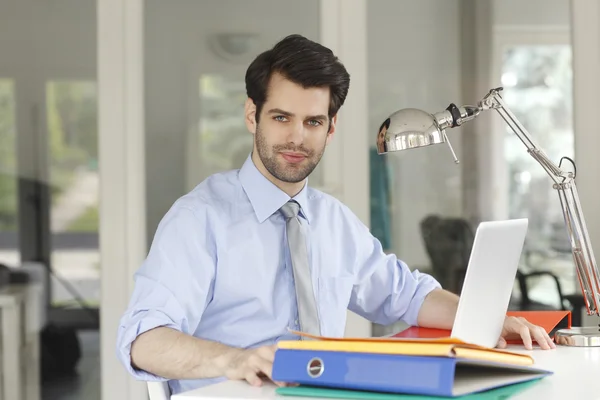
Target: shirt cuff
x=138 y=324
x=426 y=284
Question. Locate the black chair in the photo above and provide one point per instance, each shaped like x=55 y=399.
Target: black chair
x=448 y=242
x=526 y=304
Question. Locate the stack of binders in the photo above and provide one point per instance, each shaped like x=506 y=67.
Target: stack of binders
x=364 y=368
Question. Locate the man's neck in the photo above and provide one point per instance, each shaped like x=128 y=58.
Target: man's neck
x=291 y=189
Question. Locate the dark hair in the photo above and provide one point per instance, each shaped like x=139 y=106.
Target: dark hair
x=303 y=62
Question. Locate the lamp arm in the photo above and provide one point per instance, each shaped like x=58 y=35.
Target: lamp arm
x=564 y=182
x=494 y=101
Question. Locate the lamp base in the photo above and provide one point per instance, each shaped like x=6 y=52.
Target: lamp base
x=588 y=336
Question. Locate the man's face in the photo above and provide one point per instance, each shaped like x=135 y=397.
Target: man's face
x=292 y=134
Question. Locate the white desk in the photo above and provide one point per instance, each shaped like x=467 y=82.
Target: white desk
x=576 y=372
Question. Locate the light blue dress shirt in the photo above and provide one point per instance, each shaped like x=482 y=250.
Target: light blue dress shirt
x=219 y=269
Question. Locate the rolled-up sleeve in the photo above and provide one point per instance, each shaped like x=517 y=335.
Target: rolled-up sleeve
x=386 y=290
x=173 y=286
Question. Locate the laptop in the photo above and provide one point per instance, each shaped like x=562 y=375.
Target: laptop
x=489 y=281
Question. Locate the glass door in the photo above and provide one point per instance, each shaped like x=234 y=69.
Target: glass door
x=72 y=154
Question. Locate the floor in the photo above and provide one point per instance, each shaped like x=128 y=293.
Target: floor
x=84 y=385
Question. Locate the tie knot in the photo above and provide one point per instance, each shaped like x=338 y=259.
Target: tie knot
x=290 y=209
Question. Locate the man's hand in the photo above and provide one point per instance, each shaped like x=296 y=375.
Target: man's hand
x=519 y=327
x=252 y=364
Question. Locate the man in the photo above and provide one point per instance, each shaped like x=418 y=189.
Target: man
x=232 y=268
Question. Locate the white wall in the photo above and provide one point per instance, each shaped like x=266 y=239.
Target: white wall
x=531 y=13
x=48 y=38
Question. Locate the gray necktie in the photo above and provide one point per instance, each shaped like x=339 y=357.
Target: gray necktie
x=307 y=307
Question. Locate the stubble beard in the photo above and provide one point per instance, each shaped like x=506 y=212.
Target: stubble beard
x=280 y=169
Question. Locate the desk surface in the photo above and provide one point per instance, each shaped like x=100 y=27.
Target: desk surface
x=576 y=371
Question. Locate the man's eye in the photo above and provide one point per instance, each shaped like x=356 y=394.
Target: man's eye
x=314 y=122
x=280 y=118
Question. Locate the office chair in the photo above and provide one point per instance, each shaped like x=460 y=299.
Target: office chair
x=158 y=390
x=448 y=242
x=526 y=304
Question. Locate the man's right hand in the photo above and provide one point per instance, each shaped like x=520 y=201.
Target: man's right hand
x=252 y=364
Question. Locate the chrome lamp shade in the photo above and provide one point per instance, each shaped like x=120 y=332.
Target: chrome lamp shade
x=410 y=128
x=407 y=129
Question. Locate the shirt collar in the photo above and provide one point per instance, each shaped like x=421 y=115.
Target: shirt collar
x=265 y=197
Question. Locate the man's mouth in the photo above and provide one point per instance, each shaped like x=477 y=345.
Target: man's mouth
x=293 y=157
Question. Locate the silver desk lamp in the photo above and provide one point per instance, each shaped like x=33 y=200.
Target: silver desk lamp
x=411 y=128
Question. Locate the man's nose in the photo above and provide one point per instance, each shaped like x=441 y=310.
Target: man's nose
x=296 y=133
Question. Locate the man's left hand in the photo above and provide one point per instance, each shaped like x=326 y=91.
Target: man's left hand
x=515 y=327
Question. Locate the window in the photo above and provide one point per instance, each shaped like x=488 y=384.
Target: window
x=71 y=108
x=224 y=140
x=9 y=247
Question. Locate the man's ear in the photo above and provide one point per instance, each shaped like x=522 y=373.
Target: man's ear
x=332 y=127
x=250 y=115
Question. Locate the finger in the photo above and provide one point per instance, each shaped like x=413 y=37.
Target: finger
x=253 y=379
x=549 y=341
x=539 y=335
x=526 y=336
x=264 y=366
x=545 y=342
x=501 y=343
x=511 y=327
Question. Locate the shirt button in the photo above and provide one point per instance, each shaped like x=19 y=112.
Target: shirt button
x=296 y=322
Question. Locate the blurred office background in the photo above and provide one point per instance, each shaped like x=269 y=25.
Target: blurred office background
x=112 y=109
